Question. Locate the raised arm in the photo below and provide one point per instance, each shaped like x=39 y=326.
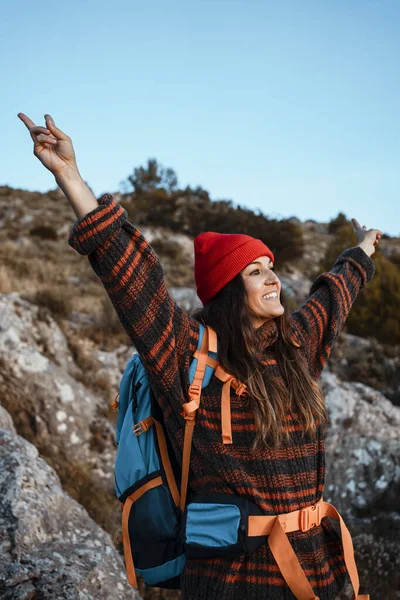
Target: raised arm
x=322 y=317
x=164 y=335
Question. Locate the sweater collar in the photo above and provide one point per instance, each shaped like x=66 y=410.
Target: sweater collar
x=267 y=334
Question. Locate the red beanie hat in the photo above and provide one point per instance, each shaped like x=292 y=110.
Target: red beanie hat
x=219 y=257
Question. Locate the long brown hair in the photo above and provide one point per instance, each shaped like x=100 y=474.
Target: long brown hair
x=270 y=399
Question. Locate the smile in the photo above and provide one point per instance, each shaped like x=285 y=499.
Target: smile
x=271 y=295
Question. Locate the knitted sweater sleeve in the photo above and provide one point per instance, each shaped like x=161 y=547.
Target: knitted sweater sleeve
x=164 y=335
x=322 y=317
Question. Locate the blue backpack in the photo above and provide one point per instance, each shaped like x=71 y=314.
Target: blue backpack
x=145 y=480
x=159 y=531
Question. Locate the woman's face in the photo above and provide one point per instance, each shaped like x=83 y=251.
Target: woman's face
x=260 y=282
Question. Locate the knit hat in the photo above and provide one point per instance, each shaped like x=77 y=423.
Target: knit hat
x=219 y=257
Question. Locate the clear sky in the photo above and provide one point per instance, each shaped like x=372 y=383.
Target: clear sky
x=290 y=106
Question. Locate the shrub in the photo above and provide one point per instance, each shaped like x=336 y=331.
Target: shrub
x=395 y=259
x=375 y=311
x=345 y=237
x=44 y=232
x=191 y=216
x=337 y=223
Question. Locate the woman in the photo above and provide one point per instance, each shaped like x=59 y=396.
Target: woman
x=274 y=453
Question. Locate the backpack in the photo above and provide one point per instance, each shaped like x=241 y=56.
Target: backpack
x=146 y=471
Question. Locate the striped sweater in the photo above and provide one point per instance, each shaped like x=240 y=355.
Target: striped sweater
x=278 y=480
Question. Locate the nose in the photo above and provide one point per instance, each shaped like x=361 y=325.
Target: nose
x=272 y=278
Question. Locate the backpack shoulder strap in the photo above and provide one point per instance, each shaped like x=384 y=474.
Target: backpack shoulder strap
x=212 y=358
x=190 y=408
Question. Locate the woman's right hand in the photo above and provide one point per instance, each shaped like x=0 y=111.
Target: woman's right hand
x=51 y=146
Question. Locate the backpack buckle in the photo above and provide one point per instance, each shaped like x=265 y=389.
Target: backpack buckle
x=115 y=403
x=194 y=390
x=190 y=416
x=310 y=517
x=143 y=426
x=241 y=389
x=189 y=410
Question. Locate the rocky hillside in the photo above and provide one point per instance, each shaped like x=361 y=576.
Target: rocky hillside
x=62 y=354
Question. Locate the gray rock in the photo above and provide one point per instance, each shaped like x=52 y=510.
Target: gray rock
x=6 y=421
x=186 y=297
x=311 y=225
x=363 y=478
x=294 y=284
x=48 y=405
x=365 y=359
x=49 y=546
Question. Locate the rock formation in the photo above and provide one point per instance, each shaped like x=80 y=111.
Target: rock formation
x=49 y=546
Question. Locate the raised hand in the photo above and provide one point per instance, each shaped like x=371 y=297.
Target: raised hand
x=366 y=238
x=51 y=146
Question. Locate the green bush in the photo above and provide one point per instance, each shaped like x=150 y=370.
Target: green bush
x=376 y=309
x=345 y=237
x=337 y=223
x=156 y=201
x=395 y=259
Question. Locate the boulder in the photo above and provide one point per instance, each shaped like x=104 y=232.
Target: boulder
x=40 y=388
x=363 y=478
x=365 y=359
x=49 y=546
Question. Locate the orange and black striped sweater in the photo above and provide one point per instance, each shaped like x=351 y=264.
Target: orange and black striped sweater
x=278 y=480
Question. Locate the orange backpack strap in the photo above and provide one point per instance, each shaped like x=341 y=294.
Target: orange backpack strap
x=162 y=445
x=126 y=509
x=277 y=527
x=189 y=412
x=228 y=381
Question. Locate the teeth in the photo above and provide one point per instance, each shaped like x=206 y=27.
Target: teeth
x=272 y=295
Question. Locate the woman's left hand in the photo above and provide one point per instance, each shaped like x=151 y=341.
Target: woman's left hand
x=367 y=239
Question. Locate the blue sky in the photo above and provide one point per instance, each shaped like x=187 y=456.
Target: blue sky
x=287 y=106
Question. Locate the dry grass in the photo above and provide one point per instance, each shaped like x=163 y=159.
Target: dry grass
x=7 y=282
x=52 y=298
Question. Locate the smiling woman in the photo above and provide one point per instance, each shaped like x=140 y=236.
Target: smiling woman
x=234 y=276
x=275 y=457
